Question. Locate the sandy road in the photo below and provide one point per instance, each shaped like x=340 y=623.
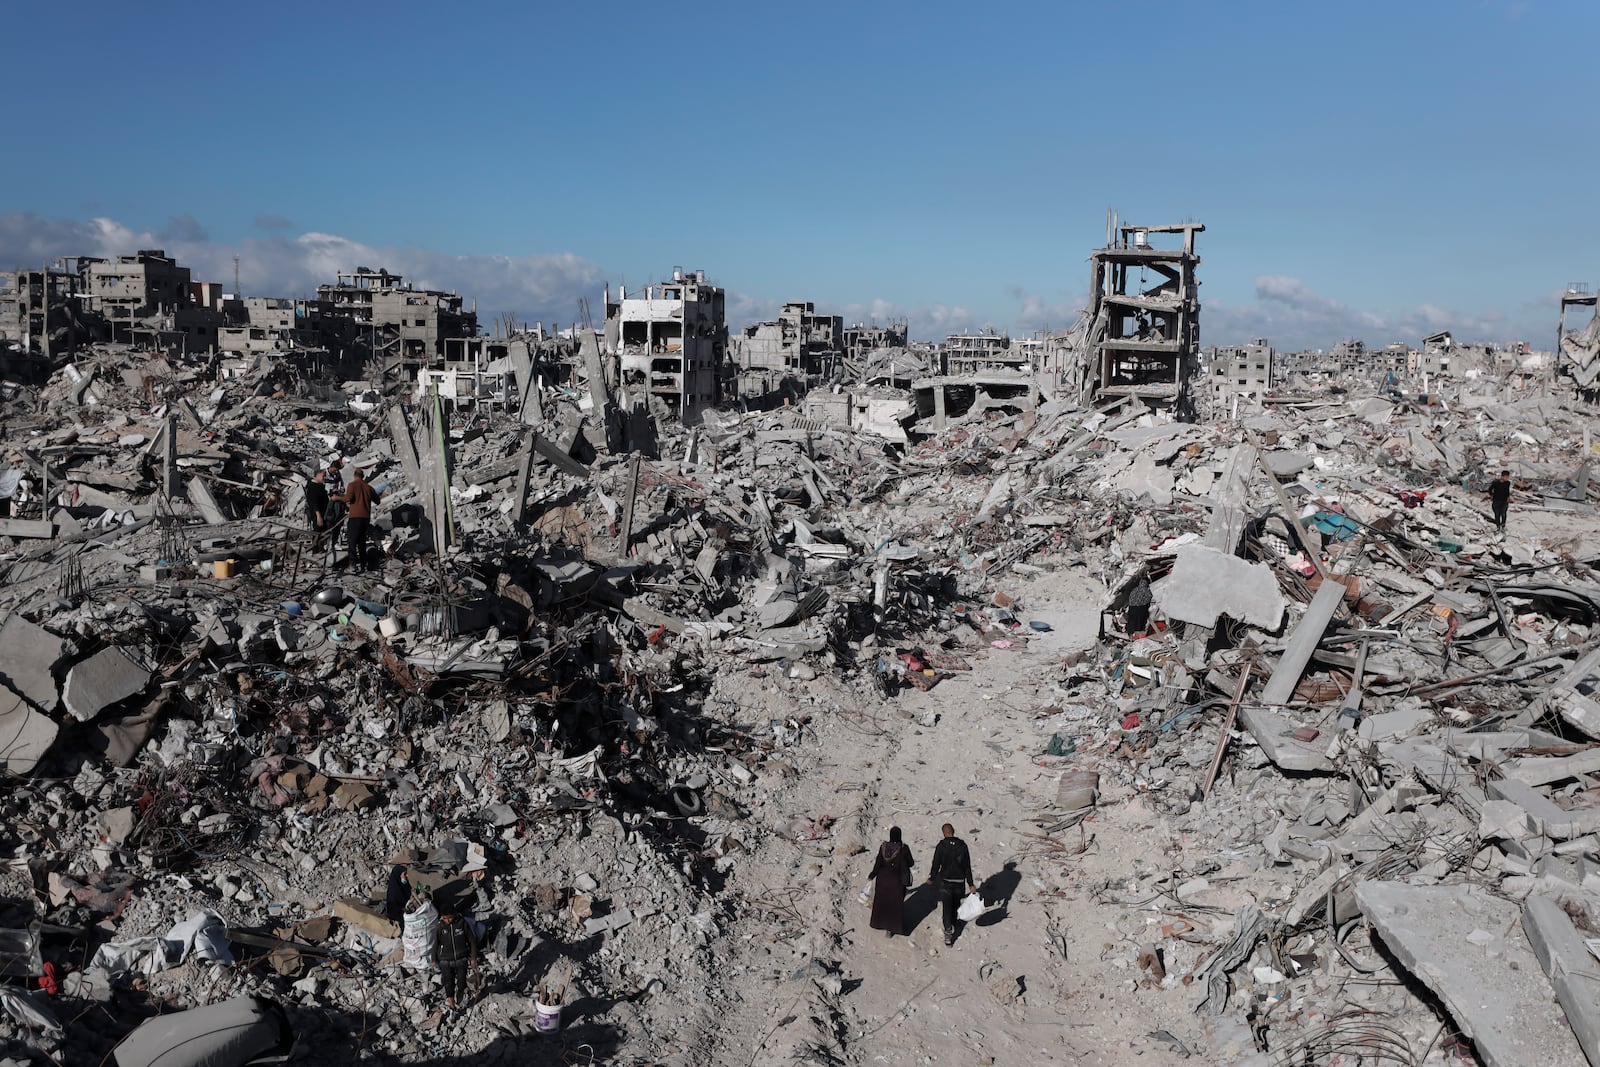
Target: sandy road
x=912 y=1000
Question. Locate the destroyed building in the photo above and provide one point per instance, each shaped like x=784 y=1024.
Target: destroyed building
x=401 y=326
x=35 y=305
x=1246 y=372
x=1270 y=746
x=860 y=338
x=1578 y=345
x=672 y=341
x=125 y=289
x=799 y=346
x=1144 y=315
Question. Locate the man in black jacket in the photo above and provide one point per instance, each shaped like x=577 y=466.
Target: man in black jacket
x=454 y=949
x=952 y=867
x=1500 y=498
x=317 y=502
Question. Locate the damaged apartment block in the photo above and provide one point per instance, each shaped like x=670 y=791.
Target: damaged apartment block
x=672 y=340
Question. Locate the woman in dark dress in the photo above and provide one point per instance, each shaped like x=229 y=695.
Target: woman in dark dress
x=891 y=875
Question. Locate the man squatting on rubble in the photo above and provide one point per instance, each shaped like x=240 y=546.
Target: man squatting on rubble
x=359 y=498
x=454 y=949
x=952 y=866
x=1500 y=498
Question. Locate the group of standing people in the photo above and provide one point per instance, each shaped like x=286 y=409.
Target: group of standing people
x=354 y=509
x=891 y=876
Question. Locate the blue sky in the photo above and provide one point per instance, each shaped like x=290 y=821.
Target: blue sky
x=1363 y=169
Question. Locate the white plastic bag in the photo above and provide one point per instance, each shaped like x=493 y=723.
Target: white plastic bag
x=972 y=906
x=865 y=896
x=421 y=928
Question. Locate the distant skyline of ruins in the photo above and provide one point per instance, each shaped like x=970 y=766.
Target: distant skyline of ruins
x=1381 y=171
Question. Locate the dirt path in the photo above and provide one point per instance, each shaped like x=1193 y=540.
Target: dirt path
x=1024 y=984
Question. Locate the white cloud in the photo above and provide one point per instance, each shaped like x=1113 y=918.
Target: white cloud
x=1055 y=312
x=931 y=322
x=1293 y=316
x=532 y=286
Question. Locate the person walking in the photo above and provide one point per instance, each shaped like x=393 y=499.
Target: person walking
x=1500 y=498
x=452 y=952
x=952 y=866
x=359 y=497
x=891 y=877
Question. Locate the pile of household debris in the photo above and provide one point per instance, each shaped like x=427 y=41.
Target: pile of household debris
x=237 y=772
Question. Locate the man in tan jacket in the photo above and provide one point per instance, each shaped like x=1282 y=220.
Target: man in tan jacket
x=358 y=497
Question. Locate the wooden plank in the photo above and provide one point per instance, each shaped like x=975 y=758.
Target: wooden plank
x=1227 y=729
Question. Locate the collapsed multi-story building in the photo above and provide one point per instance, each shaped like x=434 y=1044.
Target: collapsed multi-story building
x=985 y=352
x=861 y=339
x=1144 y=316
x=268 y=324
x=799 y=341
x=671 y=342
x=127 y=289
x=36 y=304
x=404 y=327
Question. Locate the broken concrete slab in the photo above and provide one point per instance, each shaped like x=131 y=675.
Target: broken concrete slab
x=1537 y=771
x=28 y=655
x=25 y=734
x=1205 y=583
x=1498 y=1002
x=1544 y=815
x=1569 y=966
x=1272 y=732
x=200 y=496
x=108 y=677
x=1288 y=464
x=1144 y=477
x=1302 y=643
x=1394 y=725
x=35 y=529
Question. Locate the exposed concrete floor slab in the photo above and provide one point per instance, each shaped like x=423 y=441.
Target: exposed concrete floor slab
x=1495 y=992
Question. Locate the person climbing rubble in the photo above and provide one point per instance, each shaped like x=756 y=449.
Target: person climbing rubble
x=1138 y=609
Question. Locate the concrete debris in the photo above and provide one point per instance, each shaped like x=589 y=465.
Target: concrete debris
x=28 y=656
x=1205 y=584
x=607 y=662
x=1491 y=987
x=25 y=734
x=106 y=678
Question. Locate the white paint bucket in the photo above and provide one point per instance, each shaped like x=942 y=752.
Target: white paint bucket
x=546 y=1017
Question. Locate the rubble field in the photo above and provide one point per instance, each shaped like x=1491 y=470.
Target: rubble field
x=1268 y=745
